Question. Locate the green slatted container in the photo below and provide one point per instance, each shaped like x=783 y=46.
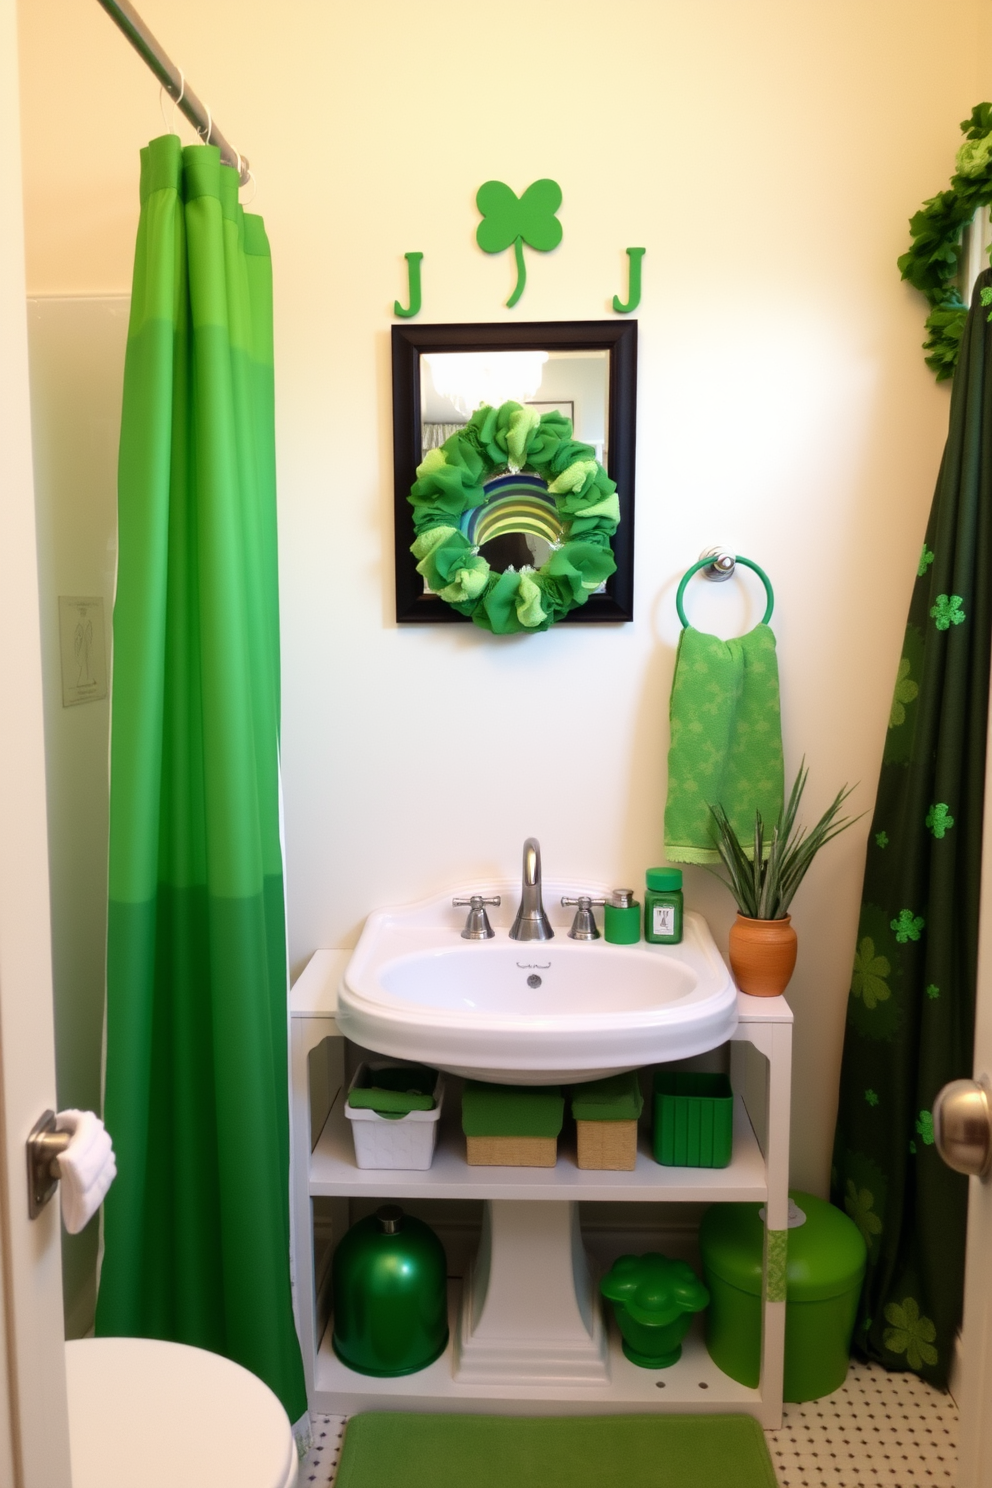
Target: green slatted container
x=693 y=1119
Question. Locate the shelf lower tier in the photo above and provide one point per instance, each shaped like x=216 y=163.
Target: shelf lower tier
x=694 y=1384
x=334 y=1172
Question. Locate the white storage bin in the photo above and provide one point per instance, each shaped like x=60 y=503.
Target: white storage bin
x=398 y=1142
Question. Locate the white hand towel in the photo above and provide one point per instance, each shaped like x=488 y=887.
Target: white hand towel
x=87 y=1167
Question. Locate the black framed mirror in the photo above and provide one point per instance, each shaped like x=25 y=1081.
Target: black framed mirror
x=584 y=369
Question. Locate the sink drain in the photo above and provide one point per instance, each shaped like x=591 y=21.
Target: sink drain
x=533 y=981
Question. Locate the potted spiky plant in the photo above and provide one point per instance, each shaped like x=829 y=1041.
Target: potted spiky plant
x=763 y=880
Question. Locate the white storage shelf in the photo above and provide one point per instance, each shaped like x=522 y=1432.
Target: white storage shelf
x=335 y=1174
x=324 y=1164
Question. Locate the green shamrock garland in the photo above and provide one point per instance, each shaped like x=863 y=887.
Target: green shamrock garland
x=511 y=220
x=931 y=264
x=451 y=482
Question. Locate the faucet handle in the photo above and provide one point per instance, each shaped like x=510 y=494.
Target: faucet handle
x=477 y=926
x=584 y=925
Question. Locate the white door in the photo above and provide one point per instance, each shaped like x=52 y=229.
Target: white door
x=975 y=1392
x=34 y=1440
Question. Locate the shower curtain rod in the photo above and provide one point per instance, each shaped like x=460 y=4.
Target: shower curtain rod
x=173 y=81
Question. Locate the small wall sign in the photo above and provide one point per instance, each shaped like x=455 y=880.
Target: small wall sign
x=82 y=641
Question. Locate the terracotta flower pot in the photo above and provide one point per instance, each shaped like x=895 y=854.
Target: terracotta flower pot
x=762 y=955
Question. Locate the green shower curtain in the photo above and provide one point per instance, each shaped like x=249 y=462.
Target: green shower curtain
x=910 y=1017
x=197 y=1223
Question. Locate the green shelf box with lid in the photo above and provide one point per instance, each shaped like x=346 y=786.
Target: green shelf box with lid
x=825 y=1267
x=693 y=1119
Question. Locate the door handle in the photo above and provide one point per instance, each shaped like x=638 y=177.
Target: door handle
x=962 y=1127
x=44 y=1145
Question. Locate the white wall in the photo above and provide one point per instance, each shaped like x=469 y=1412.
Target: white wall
x=34 y=1438
x=768 y=155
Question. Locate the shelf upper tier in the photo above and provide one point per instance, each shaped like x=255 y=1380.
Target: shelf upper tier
x=333 y=1172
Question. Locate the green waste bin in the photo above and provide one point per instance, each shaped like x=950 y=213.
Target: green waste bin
x=826 y=1266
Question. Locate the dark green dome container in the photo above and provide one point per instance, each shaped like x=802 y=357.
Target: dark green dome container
x=389 y=1284
x=824 y=1272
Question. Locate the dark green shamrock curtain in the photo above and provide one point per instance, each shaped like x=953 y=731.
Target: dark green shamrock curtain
x=910 y=1013
x=197 y=1223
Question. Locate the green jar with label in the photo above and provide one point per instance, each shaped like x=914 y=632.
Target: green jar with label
x=663 y=906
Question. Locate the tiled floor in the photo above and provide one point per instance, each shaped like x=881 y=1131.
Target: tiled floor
x=879 y=1428
x=322 y=1459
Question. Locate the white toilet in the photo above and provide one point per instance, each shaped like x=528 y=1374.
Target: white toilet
x=163 y=1415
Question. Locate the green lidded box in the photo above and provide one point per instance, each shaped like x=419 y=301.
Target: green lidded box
x=511 y=1110
x=693 y=1119
x=824 y=1270
x=513 y=1126
x=606 y=1114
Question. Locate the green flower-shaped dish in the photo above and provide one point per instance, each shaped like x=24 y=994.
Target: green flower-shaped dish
x=653 y=1299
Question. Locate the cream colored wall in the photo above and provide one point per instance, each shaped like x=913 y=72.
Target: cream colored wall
x=34 y=1435
x=768 y=155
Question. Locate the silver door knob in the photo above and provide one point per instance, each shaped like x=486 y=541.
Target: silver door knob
x=962 y=1127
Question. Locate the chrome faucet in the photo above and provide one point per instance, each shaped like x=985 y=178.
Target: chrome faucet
x=531 y=922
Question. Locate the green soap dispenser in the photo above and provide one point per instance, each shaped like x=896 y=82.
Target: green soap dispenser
x=389 y=1284
x=622 y=918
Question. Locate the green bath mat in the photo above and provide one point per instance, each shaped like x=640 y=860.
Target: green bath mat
x=658 y=1451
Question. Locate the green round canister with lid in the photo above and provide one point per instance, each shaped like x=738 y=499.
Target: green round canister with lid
x=622 y=918
x=825 y=1267
x=389 y=1285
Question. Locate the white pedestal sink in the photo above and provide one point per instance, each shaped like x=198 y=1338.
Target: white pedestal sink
x=555 y=1012
x=526 y=1012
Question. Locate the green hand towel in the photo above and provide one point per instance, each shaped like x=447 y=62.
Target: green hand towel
x=395 y=1090
x=390 y=1102
x=726 y=746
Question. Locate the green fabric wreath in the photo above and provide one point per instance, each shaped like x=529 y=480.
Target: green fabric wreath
x=451 y=481
x=931 y=264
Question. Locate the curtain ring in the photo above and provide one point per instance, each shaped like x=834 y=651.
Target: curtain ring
x=205 y=140
x=171 y=124
x=254 y=187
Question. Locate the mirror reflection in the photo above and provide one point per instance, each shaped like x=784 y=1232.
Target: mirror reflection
x=518 y=523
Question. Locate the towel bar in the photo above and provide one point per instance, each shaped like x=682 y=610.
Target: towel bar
x=716 y=566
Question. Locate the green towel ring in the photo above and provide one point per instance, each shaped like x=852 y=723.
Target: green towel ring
x=708 y=563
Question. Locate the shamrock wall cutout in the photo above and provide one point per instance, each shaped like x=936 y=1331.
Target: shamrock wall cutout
x=507 y=218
